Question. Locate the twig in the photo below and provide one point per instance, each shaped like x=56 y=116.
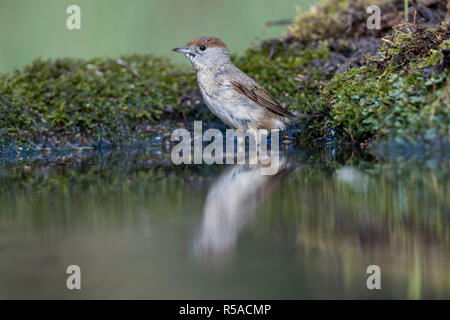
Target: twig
x=406 y=12
x=390 y=42
x=351 y=77
x=281 y=22
x=351 y=136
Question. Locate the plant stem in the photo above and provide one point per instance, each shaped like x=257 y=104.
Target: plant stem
x=406 y=11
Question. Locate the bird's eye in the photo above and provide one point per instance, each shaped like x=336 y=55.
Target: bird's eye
x=203 y=48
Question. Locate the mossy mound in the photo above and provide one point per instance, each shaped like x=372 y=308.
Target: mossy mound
x=364 y=85
x=402 y=93
x=78 y=102
x=338 y=19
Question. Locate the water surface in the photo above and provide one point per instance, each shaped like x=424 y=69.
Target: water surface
x=140 y=227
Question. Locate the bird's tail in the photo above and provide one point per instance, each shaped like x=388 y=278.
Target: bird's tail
x=297 y=117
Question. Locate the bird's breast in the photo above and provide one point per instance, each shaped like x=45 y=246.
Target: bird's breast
x=208 y=83
x=233 y=108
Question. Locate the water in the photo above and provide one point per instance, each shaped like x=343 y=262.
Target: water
x=140 y=227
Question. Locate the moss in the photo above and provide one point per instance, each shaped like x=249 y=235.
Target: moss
x=337 y=19
x=99 y=98
x=401 y=93
x=396 y=90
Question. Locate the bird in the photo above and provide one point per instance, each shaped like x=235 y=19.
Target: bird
x=233 y=96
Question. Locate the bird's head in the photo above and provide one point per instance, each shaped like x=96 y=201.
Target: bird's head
x=205 y=52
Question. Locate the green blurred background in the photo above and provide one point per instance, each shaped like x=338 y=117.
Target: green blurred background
x=37 y=28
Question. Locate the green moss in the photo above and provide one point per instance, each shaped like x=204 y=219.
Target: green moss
x=336 y=19
x=69 y=96
x=402 y=92
x=393 y=106
x=398 y=96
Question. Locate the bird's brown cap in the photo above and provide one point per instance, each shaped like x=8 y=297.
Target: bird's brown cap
x=207 y=42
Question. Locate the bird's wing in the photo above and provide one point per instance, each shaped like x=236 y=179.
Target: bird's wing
x=261 y=97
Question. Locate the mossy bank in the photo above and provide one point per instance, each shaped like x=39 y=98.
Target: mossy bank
x=365 y=86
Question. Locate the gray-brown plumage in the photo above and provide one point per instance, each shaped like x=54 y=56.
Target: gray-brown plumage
x=260 y=96
x=237 y=99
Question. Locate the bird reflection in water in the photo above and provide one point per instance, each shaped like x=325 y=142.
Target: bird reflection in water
x=230 y=206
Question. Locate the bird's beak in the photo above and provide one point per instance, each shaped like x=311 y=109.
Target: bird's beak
x=183 y=50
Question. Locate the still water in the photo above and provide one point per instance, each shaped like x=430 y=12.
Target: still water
x=140 y=227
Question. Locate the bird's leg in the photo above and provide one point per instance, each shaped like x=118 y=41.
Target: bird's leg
x=252 y=145
x=240 y=152
x=261 y=133
x=262 y=146
x=255 y=134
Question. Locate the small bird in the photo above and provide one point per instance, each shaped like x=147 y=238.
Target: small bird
x=237 y=99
